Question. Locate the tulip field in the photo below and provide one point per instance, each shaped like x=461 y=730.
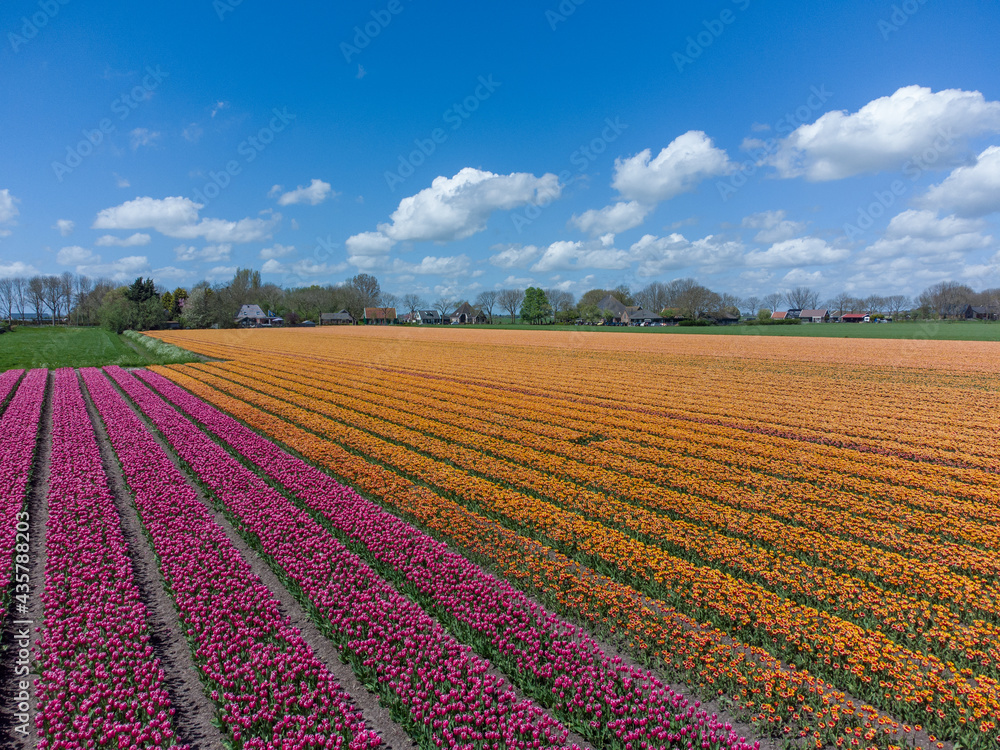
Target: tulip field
x=391 y=537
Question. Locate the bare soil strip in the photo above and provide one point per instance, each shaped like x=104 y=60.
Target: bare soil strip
x=194 y=712
x=375 y=715
x=12 y=677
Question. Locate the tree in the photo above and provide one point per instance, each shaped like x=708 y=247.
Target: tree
x=653 y=297
x=842 y=303
x=486 y=301
x=623 y=293
x=535 y=308
x=772 y=300
x=7 y=299
x=167 y=300
x=750 y=305
x=802 y=298
x=36 y=296
x=895 y=304
x=20 y=291
x=387 y=299
x=874 y=303
x=52 y=295
x=444 y=305
x=141 y=290
x=368 y=289
x=412 y=302
x=510 y=300
x=947 y=298
x=559 y=300
x=82 y=286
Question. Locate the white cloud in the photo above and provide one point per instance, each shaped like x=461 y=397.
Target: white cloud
x=143 y=137
x=192 y=132
x=453 y=208
x=315 y=193
x=923 y=235
x=568 y=256
x=65 y=226
x=798 y=277
x=803 y=251
x=439 y=266
x=207 y=254
x=368 y=244
x=678 y=168
x=886 y=133
x=171 y=273
x=121 y=182
x=220 y=273
x=306 y=267
x=218 y=107
x=773 y=226
x=8 y=211
x=970 y=191
x=276 y=251
x=177 y=217
x=17 y=268
x=123 y=269
x=615 y=218
x=514 y=256
x=133 y=240
x=273 y=266
x=711 y=254
x=75 y=255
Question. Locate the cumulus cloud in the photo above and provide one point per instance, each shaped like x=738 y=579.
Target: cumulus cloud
x=615 y=218
x=133 y=240
x=314 y=193
x=123 y=269
x=207 y=254
x=802 y=251
x=711 y=254
x=368 y=249
x=448 y=266
x=970 y=191
x=74 y=255
x=799 y=277
x=17 y=268
x=922 y=234
x=8 y=211
x=886 y=133
x=276 y=251
x=678 y=168
x=514 y=256
x=773 y=226
x=453 y=208
x=568 y=256
x=65 y=226
x=177 y=217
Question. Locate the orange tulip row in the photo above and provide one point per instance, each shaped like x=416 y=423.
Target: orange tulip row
x=792 y=701
x=915 y=686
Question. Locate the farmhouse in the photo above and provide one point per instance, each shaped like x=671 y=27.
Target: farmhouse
x=979 y=313
x=636 y=316
x=815 y=316
x=853 y=318
x=342 y=318
x=466 y=313
x=611 y=305
x=779 y=315
x=427 y=317
x=251 y=316
x=380 y=315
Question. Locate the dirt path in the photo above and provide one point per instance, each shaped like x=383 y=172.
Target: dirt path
x=375 y=715
x=194 y=711
x=17 y=728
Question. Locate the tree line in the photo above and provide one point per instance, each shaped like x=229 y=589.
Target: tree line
x=143 y=305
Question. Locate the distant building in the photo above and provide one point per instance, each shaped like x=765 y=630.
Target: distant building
x=466 y=313
x=611 y=305
x=636 y=316
x=815 y=316
x=380 y=315
x=979 y=313
x=782 y=315
x=342 y=318
x=853 y=318
x=251 y=316
x=427 y=317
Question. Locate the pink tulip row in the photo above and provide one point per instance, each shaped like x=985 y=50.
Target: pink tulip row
x=608 y=701
x=8 y=380
x=440 y=690
x=18 y=441
x=102 y=685
x=271 y=690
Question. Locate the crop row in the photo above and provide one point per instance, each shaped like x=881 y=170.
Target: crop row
x=558 y=663
x=270 y=689
x=791 y=700
x=103 y=684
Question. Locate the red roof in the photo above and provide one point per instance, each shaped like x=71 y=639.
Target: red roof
x=778 y=315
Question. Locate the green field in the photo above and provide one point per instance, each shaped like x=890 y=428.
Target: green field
x=933 y=330
x=59 y=346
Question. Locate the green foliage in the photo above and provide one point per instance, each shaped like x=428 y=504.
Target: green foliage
x=763 y=314
x=160 y=352
x=68 y=346
x=536 y=308
x=119 y=313
x=141 y=290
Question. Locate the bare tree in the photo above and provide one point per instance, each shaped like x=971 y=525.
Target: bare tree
x=368 y=289
x=388 y=299
x=895 y=304
x=652 y=297
x=771 y=301
x=20 y=292
x=802 y=298
x=36 y=296
x=510 y=300
x=947 y=298
x=82 y=286
x=7 y=299
x=874 y=303
x=750 y=305
x=411 y=303
x=486 y=301
x=842 y=303
x=53 y=295
x=444 y=305
x=990 y=299
x=559 y=300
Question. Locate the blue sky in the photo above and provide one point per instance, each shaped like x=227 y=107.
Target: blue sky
x=453 y=147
